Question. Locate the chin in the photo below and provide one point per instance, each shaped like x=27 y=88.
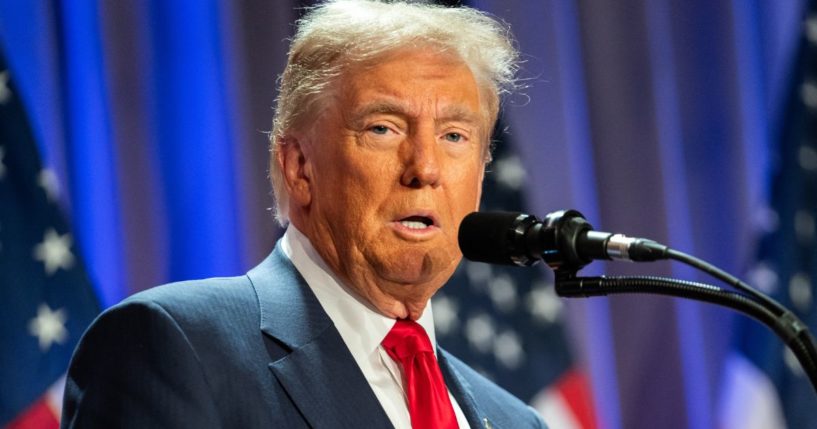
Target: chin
x=414 y=267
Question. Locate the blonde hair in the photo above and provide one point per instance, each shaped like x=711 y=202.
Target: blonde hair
x=338 y=34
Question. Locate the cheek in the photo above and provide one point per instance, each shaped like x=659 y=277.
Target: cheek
x=371 y=177
x=468 y=188
x=463 y=198
x=358 y=185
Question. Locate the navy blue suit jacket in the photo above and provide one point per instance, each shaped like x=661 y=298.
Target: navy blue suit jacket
x=244 y=352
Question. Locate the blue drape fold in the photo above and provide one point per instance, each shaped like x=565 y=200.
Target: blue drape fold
x=653 y=117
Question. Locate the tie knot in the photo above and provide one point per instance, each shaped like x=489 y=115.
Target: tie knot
x=406 y=339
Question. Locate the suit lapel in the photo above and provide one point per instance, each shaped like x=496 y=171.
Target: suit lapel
x=461 y=390
x=328 y=387
x=319 y=373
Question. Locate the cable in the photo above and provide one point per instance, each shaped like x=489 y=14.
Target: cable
x=726 y=278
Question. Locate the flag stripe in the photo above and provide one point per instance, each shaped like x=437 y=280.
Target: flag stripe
x=555 y=409
x=749 y=400
x=39 y=415
x=575 y=389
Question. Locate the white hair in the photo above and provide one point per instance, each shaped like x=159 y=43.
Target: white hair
x=338 y=34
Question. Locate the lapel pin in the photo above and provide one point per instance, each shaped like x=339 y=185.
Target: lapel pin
x=487 y=424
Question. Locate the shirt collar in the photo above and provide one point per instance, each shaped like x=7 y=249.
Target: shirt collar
x=359 y=324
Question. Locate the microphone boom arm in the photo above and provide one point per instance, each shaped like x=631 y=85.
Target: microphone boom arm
x=787 y=326
x=566 y=242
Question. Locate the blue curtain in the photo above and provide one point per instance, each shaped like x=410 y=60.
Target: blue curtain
x=659 y=119
x=140 y=109
x=655 y=118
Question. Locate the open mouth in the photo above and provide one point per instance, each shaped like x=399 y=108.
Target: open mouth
x=417 y=222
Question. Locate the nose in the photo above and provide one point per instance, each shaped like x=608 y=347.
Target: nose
x=421 y=160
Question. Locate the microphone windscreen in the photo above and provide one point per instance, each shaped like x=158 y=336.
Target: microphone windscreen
x=485 y=237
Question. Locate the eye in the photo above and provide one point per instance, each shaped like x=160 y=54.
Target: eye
x=379 y=129
x=454 y=137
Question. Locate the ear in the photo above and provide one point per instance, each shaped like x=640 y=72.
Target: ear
x=294 y=165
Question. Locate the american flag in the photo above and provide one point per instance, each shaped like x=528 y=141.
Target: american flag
x=46 y=299
x=507 y=322
x=766 y=386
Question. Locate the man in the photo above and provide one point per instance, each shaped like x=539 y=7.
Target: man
x=379 y=144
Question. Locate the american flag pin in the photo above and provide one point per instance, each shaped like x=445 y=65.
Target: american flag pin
x=487 y=424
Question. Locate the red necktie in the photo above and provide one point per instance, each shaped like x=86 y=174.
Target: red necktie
x=428 y=402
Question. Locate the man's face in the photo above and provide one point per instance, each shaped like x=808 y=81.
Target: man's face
x=389 y=170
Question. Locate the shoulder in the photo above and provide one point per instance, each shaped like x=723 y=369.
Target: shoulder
x=178 y=319
x=193 y=292
x=178 y=342
x=197 y=299
x=200 y=312
x=189 y=309
x=146 y=347
x=505 y=409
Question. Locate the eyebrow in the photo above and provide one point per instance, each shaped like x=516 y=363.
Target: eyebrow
x=456 y=112
x=382 y=106
x=449 y=113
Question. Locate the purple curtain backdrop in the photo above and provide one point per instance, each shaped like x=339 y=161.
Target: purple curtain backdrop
x=656 y=118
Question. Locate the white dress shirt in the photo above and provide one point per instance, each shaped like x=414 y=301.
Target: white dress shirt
x=362 y=329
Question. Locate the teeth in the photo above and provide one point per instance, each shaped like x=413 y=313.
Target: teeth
x=411 y=224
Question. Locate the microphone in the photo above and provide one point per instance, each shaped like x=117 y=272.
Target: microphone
x=563 y=240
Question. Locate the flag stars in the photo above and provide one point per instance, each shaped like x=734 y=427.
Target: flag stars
x=48 y=181
x=510 y=172
x=804 y=226
x=55 y=252
x=503 y=293
x=48 y=327
x=445 y=314
x=479 y=331
x=807 y=158
x=478 y=273
x=5 y=91
x=763 y=277
x=508 y=350
x=766 y=219
x=543 y=304
x=506 y=346
x=811 y=29
x=808 y=93
x=800 y=292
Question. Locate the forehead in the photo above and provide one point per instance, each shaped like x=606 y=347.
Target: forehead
x=414 y=81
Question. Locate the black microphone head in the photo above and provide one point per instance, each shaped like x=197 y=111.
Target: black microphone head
x=490 y=237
